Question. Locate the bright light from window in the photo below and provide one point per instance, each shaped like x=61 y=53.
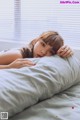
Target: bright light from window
x=6 y=19
x=23 y=20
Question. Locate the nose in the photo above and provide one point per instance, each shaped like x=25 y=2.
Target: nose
x=43 y=52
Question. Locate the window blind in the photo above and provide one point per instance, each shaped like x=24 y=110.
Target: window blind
x=23 y=20
x=6 y=19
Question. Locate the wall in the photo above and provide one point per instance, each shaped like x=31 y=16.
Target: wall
x=7 y=44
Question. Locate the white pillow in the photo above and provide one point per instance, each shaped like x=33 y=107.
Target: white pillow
x=21 y=88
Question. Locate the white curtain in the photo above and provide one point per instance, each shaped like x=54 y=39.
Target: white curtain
x=23 y=20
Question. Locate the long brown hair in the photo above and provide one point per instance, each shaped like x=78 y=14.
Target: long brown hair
x=51 y=38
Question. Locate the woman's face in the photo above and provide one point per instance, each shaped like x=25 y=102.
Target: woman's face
x=42 y=49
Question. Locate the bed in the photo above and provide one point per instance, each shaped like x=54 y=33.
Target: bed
x=48 y=91
x=63 y=106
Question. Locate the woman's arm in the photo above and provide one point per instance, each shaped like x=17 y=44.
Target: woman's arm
x=4 y=66
x=65 y=51
x=13 y=59
x=9 y=56
x=18 y=63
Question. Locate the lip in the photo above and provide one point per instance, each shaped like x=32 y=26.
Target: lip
x=39 y=55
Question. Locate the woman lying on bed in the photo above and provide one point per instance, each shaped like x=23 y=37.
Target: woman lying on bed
x=47 y=44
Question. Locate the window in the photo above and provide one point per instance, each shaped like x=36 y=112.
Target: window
x=6 y=19
x=23 y=20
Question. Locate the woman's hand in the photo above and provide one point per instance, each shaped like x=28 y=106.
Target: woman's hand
x=65 y=51
x=18 y=63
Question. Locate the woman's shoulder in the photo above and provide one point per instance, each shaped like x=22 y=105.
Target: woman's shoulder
x=13 y=51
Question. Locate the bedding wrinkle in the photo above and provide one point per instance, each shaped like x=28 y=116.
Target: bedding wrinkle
x=28 y=86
